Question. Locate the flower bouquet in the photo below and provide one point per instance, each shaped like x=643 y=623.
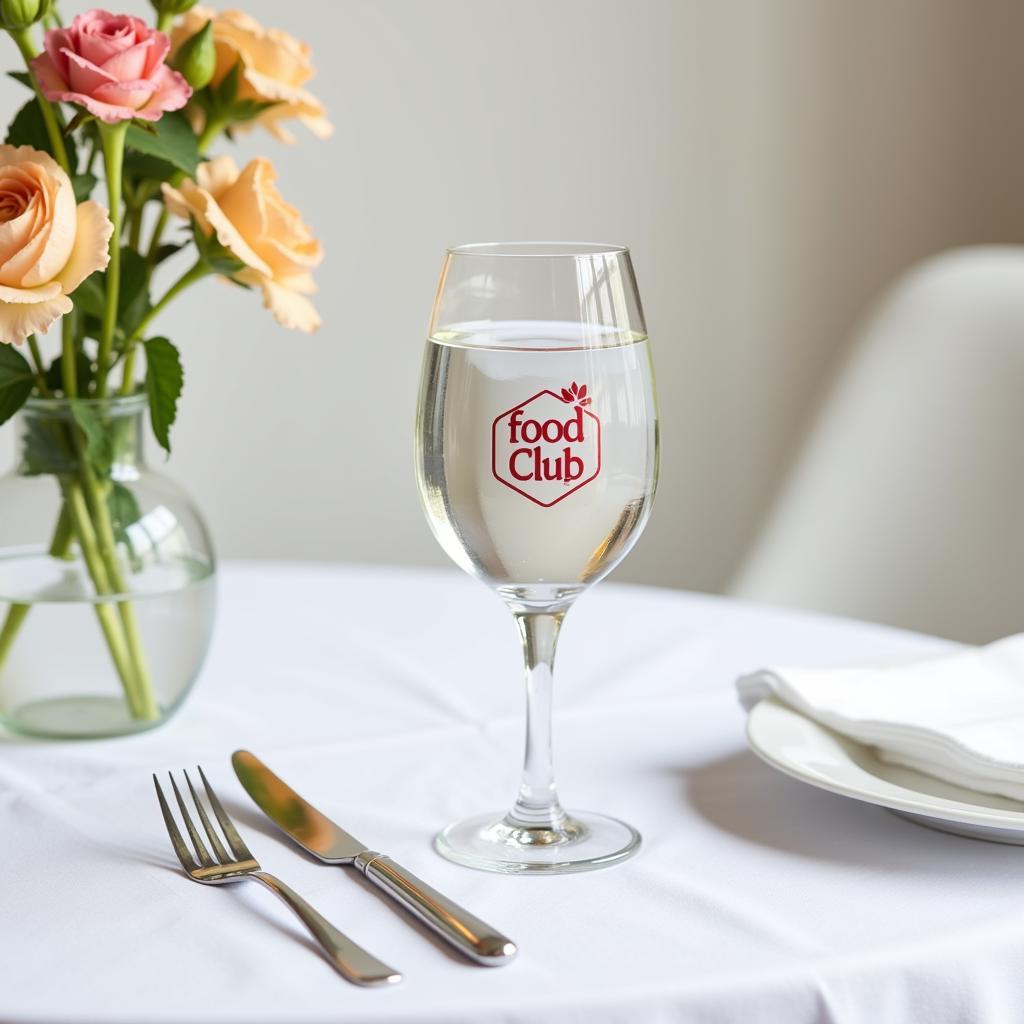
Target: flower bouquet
x=125 y=111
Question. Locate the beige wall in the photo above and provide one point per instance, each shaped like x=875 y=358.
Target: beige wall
x=771 y=162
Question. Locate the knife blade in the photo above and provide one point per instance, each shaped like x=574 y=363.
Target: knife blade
x=322 y=838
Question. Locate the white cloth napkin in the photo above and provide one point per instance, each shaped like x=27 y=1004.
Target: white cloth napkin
x=958 y=717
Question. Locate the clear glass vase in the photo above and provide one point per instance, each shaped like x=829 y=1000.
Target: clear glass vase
x=106 y=576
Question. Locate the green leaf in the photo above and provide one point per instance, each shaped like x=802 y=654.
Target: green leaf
x=173 y=141
x=92 y=326
x=99 y=446
x=164 y=380
x=138 y=166
x=247 y=110
x=83 y=117
x=166 y=251
x=123 y=504
x=29 y=129
x=133 y=298
x=124 y=511
x=83 y=184
x=90 y=295
x=227 y=92
x=55 y=374
x=47 y=448
x=217 y=257
x=16 y=380
x=22 y=76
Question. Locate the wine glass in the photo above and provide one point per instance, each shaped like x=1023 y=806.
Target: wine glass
x=537 y=460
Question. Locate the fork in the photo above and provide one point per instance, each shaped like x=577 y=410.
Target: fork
x=351 y=961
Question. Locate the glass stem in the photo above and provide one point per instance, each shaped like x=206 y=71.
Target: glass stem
x=537 y=805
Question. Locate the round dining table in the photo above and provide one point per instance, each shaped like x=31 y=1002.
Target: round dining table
x=392 y=699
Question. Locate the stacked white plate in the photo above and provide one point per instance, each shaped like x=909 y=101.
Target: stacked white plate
x=813 y=754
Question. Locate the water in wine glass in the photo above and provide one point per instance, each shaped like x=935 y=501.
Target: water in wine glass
x=537 y=452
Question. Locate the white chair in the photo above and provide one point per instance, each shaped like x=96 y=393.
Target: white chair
x=905 y=504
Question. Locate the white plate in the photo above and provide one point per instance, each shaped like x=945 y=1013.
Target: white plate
x=813 y=754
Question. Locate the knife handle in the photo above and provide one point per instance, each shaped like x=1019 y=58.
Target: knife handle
x=467 y=933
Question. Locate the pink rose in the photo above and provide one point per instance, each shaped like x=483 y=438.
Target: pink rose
x=113 y=65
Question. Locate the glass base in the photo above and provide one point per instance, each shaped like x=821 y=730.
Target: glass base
x=491 y=842
x=78 y=718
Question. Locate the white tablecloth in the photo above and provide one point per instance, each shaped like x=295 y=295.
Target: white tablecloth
x=392 y=699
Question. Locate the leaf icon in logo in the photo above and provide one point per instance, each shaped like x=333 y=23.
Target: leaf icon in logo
x=576 y=393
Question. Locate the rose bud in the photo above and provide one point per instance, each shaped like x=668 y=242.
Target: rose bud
x=273 y=68
x=17 y=15
x=172 y=7
x=197 y=58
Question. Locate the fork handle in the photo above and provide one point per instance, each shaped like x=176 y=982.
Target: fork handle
x=348 y=959
x=465 y=931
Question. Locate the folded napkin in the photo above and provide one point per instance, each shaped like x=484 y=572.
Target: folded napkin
x=958 y=716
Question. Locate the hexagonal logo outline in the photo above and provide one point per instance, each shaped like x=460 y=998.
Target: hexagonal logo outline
x=519 y=490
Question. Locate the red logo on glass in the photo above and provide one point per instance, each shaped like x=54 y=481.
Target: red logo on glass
x=547 y=447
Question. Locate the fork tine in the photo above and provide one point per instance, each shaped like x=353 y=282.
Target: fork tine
x=218 y=847
x=177 y=842
x=204 y=857
x=238 y=848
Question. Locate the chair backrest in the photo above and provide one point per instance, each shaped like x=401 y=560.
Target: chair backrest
x=906 y=502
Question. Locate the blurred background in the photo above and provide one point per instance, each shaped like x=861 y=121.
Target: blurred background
x=775 y=166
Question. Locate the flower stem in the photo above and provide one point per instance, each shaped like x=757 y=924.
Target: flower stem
x=101 y=561
x=128 y=376
x=12 y=624
x=91 y=517
x=211 y=130
x=37 y=360
x=23 y=38
x=141 y=683
x=108 y=619
x=164 y=21
x=135 y=228
x=112 y=140
x=63 y=534
x=69 y=356
x=197 y=272
x=154 y=243
x=158 y=230
x=68 y=362
x=60 y=545
x=74 y=521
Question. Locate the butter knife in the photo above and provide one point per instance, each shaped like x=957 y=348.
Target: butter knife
x=318 y=835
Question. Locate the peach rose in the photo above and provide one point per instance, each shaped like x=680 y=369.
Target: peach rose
x=249 y=218
x=48 y=245
x=113 y=65
x=274 y=67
